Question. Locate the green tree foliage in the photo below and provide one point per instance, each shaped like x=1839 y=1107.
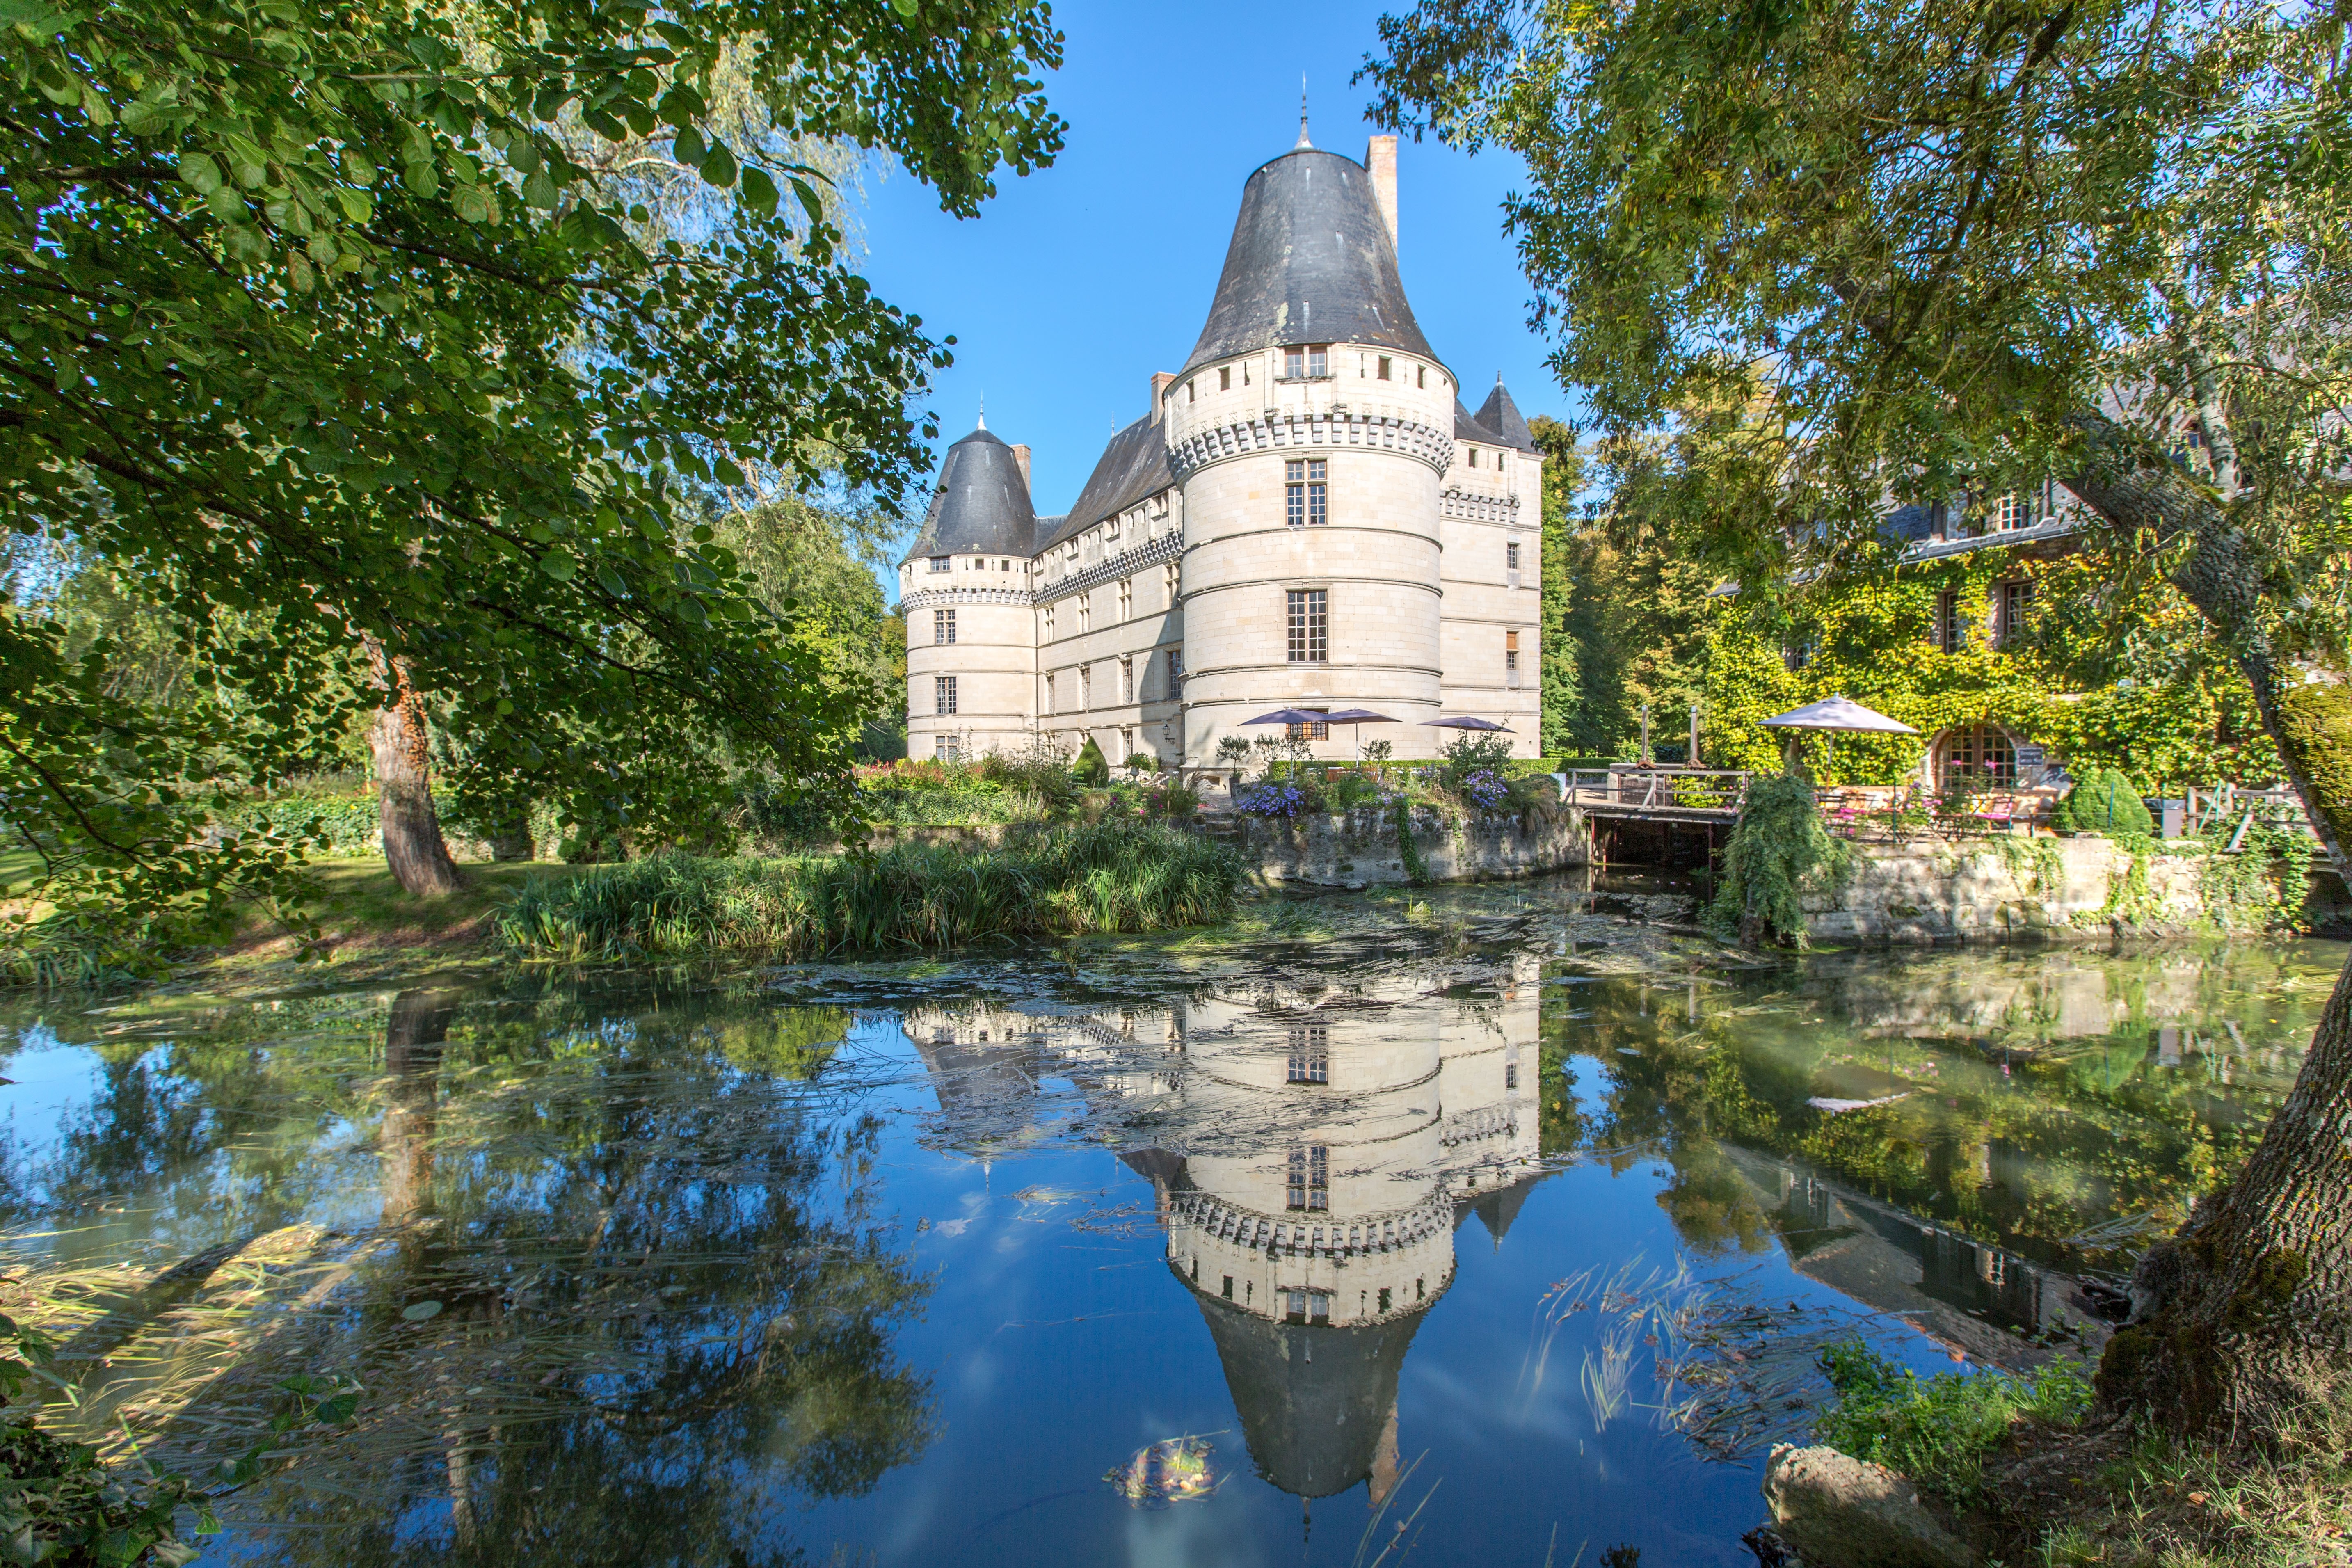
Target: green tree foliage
x=1852 y=252
x=1860 y=249
x=1091 y=767
x=1623 y=612
x=329 y=325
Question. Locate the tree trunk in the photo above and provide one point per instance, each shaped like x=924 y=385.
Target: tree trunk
x=412 y=1039
x=412 y=844
x=2245 y=1316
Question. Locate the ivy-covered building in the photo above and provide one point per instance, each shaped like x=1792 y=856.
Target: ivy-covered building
x=2018 y=647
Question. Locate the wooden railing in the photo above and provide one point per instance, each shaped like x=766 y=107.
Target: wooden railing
x=1665 y=792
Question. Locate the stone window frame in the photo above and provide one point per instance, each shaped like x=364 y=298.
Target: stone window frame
x=1307 y=492
x=943 y=629
x=945 y=698
x=1306 y=625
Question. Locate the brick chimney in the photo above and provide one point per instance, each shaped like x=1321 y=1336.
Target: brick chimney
x=1020 y=456
x=1380 y=161
x=1161 y=382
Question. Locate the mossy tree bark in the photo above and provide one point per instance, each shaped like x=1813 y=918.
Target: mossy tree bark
x=2245 y=1316
x=412 y=844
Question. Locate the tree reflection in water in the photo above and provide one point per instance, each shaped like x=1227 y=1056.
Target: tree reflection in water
x=625 y=1294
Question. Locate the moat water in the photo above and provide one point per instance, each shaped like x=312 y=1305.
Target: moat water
x=1457 y=1228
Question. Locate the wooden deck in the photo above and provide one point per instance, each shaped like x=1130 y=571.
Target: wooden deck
x=1696 y=795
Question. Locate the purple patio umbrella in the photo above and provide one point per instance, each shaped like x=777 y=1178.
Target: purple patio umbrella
x=1486 y=724
x=1359 y=717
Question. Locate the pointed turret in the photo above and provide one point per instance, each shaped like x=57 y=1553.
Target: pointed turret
x=981 y=506
x=1312 y=261
x=1501 y=416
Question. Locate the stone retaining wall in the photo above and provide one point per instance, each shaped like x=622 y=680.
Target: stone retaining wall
x=1359 y=848
x=1979 y=891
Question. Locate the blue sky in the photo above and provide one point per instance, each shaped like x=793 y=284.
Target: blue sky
x=1077 y=283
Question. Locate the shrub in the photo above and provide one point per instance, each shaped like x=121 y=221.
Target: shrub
x=1232 y=751
x=2106 y=802
x=1039 y=770
x=1475 y=752
x=1485 y=790
x=1937 y=1430
x=1379 y=750
x=1777 y=845
x=1142 y=763
x=1115 y=875
x=1351 y=790
x=1172 y=801
x=1090 y=768
x=1271 y=798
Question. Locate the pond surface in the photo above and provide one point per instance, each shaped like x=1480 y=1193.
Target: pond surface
x=1462 y=1230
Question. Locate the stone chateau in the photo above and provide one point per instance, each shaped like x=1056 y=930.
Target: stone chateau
x=1307 y=516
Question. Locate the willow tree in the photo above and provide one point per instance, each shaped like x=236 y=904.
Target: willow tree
x=1948 y=249
x=331 y=316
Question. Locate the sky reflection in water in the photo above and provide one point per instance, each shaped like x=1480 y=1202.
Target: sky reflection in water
x=1415 y=1221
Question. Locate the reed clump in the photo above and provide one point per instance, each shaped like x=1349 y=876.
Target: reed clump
x=1073 y=880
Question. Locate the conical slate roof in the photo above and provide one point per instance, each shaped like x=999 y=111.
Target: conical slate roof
x=1310 y=262
x=981 y=505
x=1312 y=1398
x=1501 y=416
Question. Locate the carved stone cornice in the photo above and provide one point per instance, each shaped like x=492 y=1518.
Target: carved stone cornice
x=940 y=598
x=1472 y=506
x=1167 y=547
x=1310 y=432
x=1313 y=1232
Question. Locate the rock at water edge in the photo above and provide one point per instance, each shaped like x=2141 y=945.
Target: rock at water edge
x=1838 y=1512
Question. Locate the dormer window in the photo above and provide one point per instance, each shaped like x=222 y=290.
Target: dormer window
x=941 y=563
x=1306 y=360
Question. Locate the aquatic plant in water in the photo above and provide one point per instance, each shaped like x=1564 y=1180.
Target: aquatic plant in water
x=1174 y=1470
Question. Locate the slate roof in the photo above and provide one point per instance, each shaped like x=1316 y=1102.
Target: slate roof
x=981 y=505
x=1135 y=465
x=1312 y=1398
x=1501 y=416
x=1310 y=262
x=1467 y=429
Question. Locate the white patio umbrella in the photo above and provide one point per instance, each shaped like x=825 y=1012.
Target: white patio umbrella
x=1834 y=714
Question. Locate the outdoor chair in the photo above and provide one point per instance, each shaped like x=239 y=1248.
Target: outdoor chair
x=1847 y=818
x=1999 y=811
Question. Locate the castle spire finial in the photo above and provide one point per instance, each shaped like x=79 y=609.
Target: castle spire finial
x=983 y=411
x=1303 y=141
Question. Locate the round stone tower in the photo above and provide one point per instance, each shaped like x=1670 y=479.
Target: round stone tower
x=971 y=646
x=1309 y=431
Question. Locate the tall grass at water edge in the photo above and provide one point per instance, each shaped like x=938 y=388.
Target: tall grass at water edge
x=1068 y=881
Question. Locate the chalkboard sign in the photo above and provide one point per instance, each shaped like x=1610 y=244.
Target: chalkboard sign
x=2031 y=757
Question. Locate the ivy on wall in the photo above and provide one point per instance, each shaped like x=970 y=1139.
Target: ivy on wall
x=2113 y=670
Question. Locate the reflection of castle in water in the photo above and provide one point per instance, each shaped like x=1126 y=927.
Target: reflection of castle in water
x=1311 y=1156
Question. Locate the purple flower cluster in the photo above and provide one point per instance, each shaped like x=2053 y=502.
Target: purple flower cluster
x=1270 y=800
x=1485 y=789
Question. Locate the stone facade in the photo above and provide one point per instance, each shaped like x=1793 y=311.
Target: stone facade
x=1305 y=518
